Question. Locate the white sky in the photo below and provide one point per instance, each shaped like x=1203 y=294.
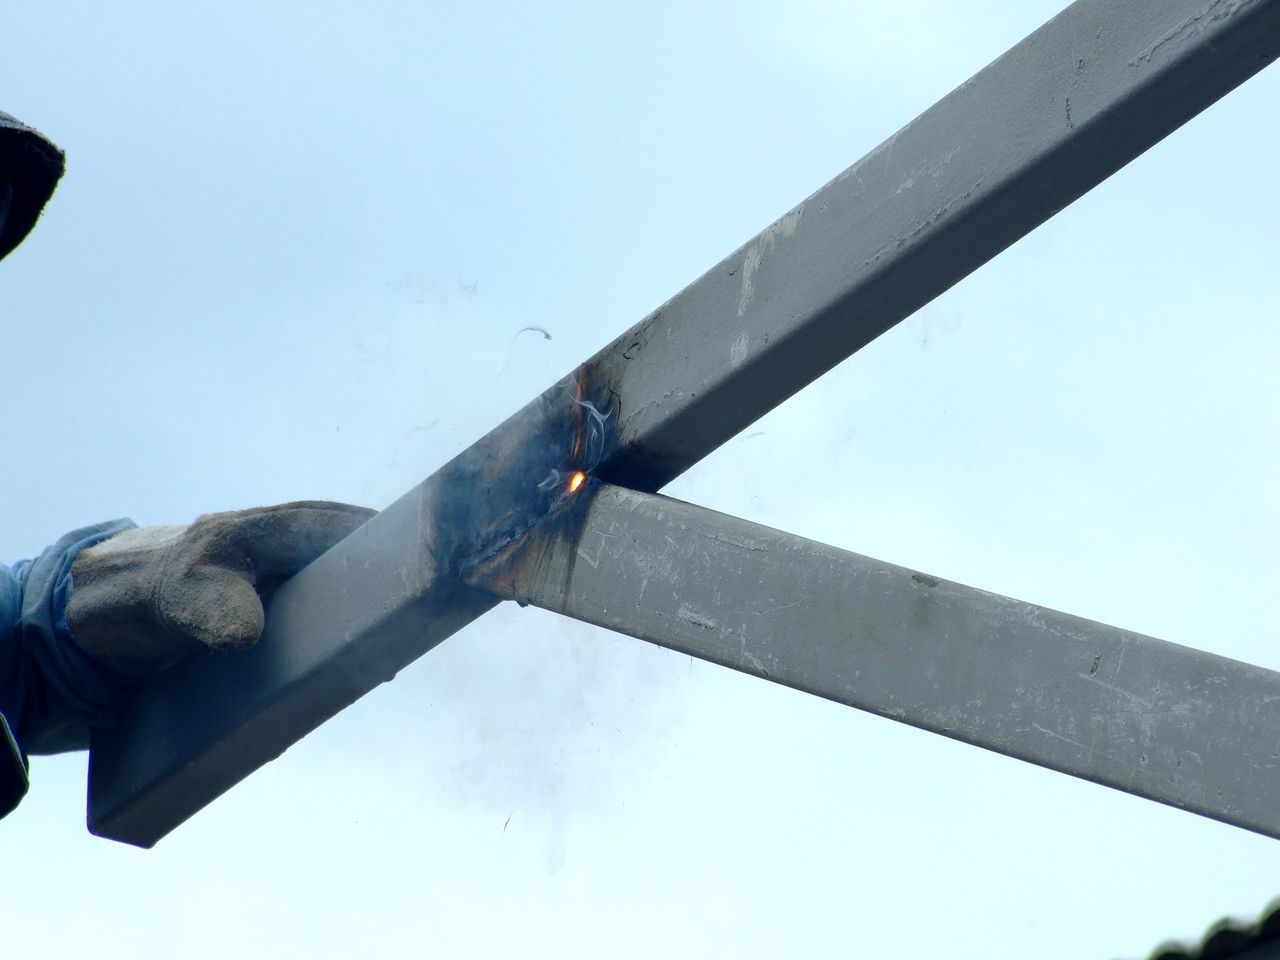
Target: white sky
x=289 y=260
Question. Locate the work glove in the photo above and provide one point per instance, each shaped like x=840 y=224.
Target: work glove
x=30 y=167
x=156 y=593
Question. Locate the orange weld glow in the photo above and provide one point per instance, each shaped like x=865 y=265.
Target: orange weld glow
x=576 y=481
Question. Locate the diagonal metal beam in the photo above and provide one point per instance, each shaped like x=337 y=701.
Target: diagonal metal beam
x=1022 y=139
x=1155 y=719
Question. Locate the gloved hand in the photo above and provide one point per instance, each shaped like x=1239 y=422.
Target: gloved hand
x=158 y=592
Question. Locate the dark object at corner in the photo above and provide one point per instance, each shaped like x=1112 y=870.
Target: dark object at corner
x=30 y=167
x=1231 y=940
x=13 y=771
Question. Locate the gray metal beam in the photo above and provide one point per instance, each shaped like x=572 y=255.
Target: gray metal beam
x=1023 y=138
x=1162 y=721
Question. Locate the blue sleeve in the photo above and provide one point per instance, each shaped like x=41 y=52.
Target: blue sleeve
x=52 y=693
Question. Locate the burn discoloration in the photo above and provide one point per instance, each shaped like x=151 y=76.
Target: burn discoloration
x=500 y=490
x=540 y=559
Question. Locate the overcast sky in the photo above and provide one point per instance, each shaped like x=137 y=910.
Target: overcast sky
x=291 y=258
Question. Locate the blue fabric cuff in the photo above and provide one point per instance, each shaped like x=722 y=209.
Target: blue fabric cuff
x=55 y=692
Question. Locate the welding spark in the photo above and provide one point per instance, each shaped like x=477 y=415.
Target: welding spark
x=589 y=437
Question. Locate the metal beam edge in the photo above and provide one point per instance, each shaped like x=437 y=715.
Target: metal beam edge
x=1166 y=722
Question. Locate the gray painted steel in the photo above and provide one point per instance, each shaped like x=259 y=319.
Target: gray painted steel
x=345 y=624
x=1046 y=122
x=1176 y=725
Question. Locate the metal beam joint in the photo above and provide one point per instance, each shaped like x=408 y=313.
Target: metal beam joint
x=1008 y=149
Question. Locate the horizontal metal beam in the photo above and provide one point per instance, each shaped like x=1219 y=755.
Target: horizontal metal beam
x=1162 y=721
x=1026 y=136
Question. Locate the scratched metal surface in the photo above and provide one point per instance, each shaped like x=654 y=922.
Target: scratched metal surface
x=1179 y=726
x=1019 y=141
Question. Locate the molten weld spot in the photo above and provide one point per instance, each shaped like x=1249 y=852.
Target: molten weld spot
x=576 y=481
